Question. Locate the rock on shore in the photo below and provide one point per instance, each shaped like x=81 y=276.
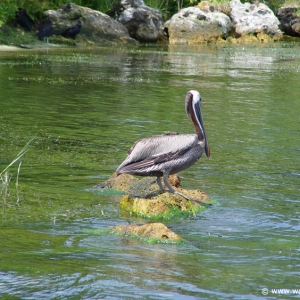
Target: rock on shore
x=97 y=27
x=204 y=23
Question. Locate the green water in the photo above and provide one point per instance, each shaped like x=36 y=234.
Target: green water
x=86 y=107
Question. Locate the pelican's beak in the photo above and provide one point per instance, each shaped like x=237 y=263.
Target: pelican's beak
x=201 y=130
x=207 y=149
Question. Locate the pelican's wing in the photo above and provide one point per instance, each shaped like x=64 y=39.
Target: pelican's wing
x=156 y=149
x=150 y=162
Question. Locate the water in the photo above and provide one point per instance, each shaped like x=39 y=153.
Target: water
x=86 y=107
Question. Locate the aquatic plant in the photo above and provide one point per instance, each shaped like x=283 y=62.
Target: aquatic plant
x=4 y=175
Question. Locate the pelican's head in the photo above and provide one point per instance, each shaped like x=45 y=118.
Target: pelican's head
x=193 y=110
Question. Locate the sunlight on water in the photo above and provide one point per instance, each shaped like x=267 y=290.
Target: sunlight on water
x=87 y=108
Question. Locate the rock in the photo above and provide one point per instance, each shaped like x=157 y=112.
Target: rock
x=221 y=6
x=121 y=182
x=193 y=25
x=116 y=10
x=289 y=21
x=206 y=6
x=166 y=205
x=144 y=207
x=144 y=187
x=143 y=22
x=144 y=198
x=157 y=231
x=257 y=20
x=97 y=27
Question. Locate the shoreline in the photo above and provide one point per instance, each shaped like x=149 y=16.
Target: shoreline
x=9 y=48
x=31 y=46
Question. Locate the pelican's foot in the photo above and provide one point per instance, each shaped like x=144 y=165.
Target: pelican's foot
x=184 y=196
x=187 y=198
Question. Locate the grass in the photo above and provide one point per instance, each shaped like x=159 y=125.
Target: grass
x=4 y=175
x=291 y=3
x=15 y=36
x=20 y=154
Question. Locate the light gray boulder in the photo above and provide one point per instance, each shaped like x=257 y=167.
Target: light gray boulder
x=97 y=28
x=192 y=25
x=257 y=20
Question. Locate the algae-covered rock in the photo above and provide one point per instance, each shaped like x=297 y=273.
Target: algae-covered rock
x=145 y=207
x=156 y=231
x=145 y=187
x=144 y=198
x=166 y=205
x=121 y=182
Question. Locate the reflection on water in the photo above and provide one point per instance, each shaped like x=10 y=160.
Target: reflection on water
x=86 y=108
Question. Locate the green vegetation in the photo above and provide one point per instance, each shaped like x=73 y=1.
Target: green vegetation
x=5 y=176
x=35 y=8
x=291 y=2
x=275 y=4
x=20 y=154
x=12 y=36
x=173 y=213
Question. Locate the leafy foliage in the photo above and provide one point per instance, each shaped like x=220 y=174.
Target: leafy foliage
x=7 y=10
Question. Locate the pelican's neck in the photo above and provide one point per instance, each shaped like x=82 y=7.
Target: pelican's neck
x=199 y=130
x=193 y=110
x=194 y=113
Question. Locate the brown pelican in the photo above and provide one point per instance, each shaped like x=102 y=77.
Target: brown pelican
x=169 y=153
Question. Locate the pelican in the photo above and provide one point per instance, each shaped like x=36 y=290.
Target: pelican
x=169 y=153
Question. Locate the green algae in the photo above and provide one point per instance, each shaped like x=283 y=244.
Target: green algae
x=163 y=210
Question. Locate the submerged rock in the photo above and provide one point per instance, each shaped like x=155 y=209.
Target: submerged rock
x=144 y=198
x=156 y=231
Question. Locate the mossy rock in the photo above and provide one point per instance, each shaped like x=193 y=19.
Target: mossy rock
x=165 y=206
x=151 y=232
x=144 y=198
